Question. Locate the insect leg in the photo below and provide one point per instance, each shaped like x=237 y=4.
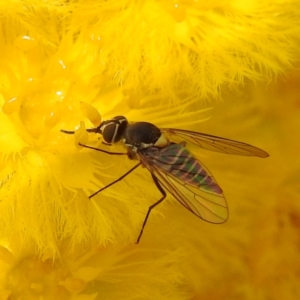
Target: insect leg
x=153 y=205
x=112 y=183
x=107 y=152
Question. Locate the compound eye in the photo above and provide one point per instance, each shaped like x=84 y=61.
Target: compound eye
x=110 y=133
x=113 y=130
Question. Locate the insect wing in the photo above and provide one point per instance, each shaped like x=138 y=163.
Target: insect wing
x=213 y=143
x=187 y=180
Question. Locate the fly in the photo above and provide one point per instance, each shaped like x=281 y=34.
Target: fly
x=171 y=165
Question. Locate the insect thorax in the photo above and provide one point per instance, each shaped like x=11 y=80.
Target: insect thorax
x=143 y=135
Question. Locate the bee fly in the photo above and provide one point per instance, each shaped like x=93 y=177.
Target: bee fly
x=171 y=165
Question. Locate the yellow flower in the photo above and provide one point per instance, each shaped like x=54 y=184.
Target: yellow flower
x=72 y=64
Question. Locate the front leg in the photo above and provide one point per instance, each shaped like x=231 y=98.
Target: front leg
x=104 y=151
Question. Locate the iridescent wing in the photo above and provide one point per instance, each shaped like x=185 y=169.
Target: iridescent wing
x=187 y=180
x=213 y=143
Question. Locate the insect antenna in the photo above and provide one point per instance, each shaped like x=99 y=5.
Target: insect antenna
x=95 y=130
x=67 y=131
x=152 y=206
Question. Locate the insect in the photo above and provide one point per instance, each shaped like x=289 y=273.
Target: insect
x=171 y=165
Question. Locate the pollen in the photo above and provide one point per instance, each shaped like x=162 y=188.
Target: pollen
x=81 y=135
x=25 y=42
x=11 y=105
x=91 y=113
